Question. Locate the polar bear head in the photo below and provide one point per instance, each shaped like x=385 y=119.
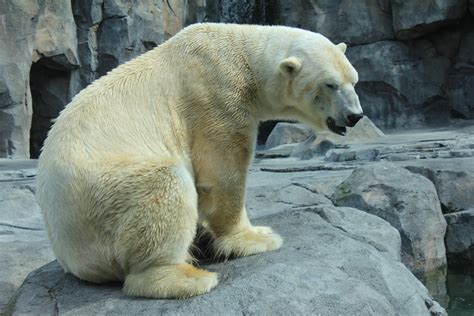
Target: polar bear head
x=316 y=84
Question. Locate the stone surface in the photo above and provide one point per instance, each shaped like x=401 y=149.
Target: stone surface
x=364 y=130
x=338 y=155
x=55 y=38
x=24 y=245
x=461 y=75
x=460 y=238
x=415 y=18
x=454 y=184
x=328 y=253
x=354 y=22
x=275 y=198
x=390 y=101
x=16 y=44
x=287 y=133
x=407 y=201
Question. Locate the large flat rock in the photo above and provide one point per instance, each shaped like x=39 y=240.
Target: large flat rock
x=335 y=261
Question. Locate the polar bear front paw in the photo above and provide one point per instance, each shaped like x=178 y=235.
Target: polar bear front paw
x=175 y=281
x=248 y=242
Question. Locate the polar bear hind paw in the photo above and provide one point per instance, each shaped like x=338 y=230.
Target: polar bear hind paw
x=174 y=281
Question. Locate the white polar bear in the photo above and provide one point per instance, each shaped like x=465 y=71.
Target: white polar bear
x=163 y=142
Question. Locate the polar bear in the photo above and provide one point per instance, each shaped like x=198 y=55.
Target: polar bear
x=164 y=141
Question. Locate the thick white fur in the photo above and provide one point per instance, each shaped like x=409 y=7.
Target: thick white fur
x=164 y=141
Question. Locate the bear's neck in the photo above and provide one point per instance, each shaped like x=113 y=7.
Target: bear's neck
x=265 y=49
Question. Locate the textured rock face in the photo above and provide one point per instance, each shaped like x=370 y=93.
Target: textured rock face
x=16 y=45
x=455 y=187
x=24 y=243
x=460 y=238
x=59 y=48
x=336 y=260
x=415 y=18
x=461 y=77
x=407 y=201
x=392 y=102
x=354 y=22
x=402 y=82
x=287 y=133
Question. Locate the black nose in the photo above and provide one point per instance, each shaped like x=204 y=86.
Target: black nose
x=353 y=119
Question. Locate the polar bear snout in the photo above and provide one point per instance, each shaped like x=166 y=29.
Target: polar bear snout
x=350 y=121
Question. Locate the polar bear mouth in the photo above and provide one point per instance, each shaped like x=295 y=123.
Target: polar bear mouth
x=331 y=123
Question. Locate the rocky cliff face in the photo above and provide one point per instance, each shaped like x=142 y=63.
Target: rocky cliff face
x=415 y=59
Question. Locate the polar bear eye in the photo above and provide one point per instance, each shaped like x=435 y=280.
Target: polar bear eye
x=331 y=86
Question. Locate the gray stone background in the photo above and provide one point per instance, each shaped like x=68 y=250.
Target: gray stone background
x=415 y=58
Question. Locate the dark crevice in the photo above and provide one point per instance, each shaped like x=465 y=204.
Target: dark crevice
x=20 y=227
x=50 y=94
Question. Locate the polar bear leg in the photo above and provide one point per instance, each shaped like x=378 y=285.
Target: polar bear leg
x=222 y=205
x=156 y=232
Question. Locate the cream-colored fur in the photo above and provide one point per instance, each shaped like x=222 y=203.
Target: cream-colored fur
x=164 y=141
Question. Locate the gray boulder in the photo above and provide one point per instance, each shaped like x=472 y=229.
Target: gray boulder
x=341 y=21
x=325 y=143
x=407 y=201
x=339 y=261
x=287 y=133
x=460 y=238
x=415 y=18
x=364 y=130
x=360 y=154
x=455 y=187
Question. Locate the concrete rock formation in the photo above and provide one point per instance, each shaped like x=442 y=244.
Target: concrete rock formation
x=50 y=50
x=287 y=133
x=407 y=201
x=460 y=238
x=412 y=18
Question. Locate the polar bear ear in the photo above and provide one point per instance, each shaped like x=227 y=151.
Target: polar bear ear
x=342 y=47
x=290 y=66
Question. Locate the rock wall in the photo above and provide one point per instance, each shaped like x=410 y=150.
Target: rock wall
x=50 y=50
x=415 y=58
